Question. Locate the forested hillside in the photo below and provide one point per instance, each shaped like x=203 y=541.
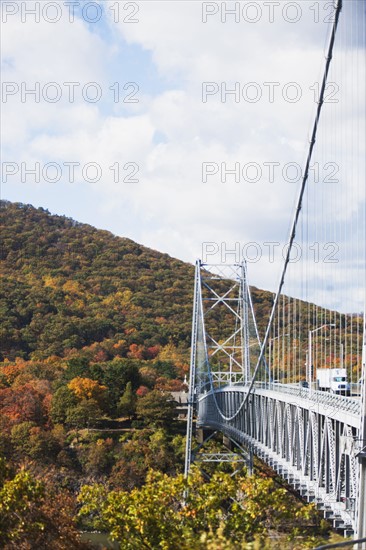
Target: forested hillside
x=69 y=290
x=67 y=285
x=95 y=335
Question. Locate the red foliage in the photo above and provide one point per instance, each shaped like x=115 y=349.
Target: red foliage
x=136 y=352
x=152 y=352
x=100 y=356
x=142 y=391
x=23 y=403
x=47 y=402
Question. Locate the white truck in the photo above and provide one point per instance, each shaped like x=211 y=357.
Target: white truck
x=333 y=381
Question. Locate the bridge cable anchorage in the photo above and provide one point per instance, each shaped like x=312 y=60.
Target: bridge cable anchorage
x=299 y=203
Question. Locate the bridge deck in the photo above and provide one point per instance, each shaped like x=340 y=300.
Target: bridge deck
x=337 y=407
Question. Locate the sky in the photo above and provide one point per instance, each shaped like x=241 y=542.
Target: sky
x=184 y=125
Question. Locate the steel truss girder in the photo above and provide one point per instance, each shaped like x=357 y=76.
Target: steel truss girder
x=219 y=457
x=315 y=452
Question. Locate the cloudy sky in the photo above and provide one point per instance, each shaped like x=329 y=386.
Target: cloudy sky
x=184 y=125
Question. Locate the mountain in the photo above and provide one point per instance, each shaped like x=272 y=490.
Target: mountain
x=66 y=285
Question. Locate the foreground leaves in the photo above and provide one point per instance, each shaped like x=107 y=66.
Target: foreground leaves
x=230 y=511
x=34 y=515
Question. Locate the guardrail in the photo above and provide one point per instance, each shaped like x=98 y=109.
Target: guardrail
x=345 y=403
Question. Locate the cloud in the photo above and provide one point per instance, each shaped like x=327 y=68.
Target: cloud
x=171 y=131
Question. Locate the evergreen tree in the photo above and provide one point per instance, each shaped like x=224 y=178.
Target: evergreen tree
x=127 y=403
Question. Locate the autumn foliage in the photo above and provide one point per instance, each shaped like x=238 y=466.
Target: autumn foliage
x=85 y=388
x=95 y=333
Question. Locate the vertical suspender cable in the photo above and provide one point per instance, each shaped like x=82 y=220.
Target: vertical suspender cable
x=298 y=207
x=302 y=189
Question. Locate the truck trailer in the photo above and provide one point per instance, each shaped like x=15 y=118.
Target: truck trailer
x=333 y=381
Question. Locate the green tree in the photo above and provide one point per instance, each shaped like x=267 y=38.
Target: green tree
x=127 y=403
x=157 y=409
x=96 y=457
x=77 y=366
x=86 y=414
x=145 y=449
x=62 y=400
x=43 y=446
x=115 y=375
x=20 y=437
x=16 y=498
x=30 y=440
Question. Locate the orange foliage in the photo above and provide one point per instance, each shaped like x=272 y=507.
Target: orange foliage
x=165 y=384
x=85 y=388
x=120 y=347
x=12 y=371
x=136 y=352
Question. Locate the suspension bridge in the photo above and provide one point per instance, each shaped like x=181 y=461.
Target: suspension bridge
x=256 y=383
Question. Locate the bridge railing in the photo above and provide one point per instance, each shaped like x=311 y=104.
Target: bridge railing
x=331 y=400
x=347 y=404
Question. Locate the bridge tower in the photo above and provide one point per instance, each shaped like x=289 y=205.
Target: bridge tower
x=225 y=343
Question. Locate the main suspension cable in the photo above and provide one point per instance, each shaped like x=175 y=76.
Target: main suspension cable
x=329 y=57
